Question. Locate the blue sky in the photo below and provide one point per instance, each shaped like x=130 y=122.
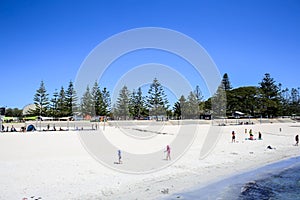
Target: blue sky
x=48 y=40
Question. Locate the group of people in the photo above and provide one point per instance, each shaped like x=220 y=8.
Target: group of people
x=251 y=136
x=12 y=129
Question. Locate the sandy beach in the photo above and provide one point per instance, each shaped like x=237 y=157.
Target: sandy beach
x=55 y=165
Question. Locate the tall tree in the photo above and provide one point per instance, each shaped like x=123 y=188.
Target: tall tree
x=137 y=104
x=226 y=83
x=192 y=110
x=71 y=100
x=87 y=106
x=54 y=105
x=179 y=108
x=97 y=99
x=270 y=96
x=41 y=101
x=106 y=102
x=157 y=100
x=122 y=104
x=61 y=103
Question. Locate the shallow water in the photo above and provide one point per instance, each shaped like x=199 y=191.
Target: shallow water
x=280 y=180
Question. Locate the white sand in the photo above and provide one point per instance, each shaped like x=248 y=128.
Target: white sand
x=54 y=165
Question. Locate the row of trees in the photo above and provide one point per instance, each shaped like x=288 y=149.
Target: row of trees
x=268 y=99
x=65 y=102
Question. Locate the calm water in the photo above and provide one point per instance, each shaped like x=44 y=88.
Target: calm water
x=276 y=181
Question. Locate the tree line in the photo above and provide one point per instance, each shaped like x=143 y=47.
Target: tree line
x=267 y=99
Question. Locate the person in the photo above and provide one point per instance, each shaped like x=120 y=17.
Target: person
x=119 y=156
x=13 y=129
x=48 y=127
x=259 y=135
x=233 y=136
x=168 y=153
x=297 y=140
x=251 y=135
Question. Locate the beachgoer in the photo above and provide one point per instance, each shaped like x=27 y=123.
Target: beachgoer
x=233 y=136
x=297 y=140
x=13 y=129
x=251 y=135
x=48 y=127
x=259 y=135
x=246 y=131
x=168 y=153
x=279 y=129
x=120 y=156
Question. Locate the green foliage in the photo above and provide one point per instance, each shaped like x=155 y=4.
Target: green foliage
x=41 y=101
x=121 y=110
x=157 y=101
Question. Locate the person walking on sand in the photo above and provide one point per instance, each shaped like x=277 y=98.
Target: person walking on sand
x=233 y=137
x=168 y=153
x=119 y=156
x=297 y=140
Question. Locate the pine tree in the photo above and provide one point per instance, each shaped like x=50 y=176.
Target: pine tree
x=137 y=104
x=179 y=108
x=106 y=102
x=226 y=83
x=270 y=96
x=122 y=104
x=157 y=100
x=54 y=105
x=97 y=99
x=87 y=106
x=41 y=101
x=71 y=100
x=192 y=106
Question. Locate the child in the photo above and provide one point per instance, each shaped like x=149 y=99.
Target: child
x=119 y=155
x=233 y=136
x=168 y=153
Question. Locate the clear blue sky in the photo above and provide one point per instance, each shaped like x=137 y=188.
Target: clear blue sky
x=48 y=40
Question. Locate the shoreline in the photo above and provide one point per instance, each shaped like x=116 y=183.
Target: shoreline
x=216 y=189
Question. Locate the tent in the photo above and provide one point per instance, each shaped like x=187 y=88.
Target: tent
x=31 y=128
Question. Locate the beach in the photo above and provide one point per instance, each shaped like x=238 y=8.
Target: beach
x=55 y=164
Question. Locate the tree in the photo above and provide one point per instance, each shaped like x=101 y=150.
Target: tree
x=41 y=101
x=226 y=83
x=71 y=100
x=192 y=107
x=218 y=102
x=106 y=102
x=122 y=104
x=243 y=99
x=54 y=105
x=157 y=101
x=137 y=104
x=87 y=106
x=61 y=103
x=179 y=108
x=269 y=96
x=97 y=99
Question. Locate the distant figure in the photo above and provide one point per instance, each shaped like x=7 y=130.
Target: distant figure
x=48 y=127
x=251 y=136
x=13 y=129
x=2 y=128
x=259 y=135
x=297 y=140
x=233 y=136
x=119 y=156
x=279 y=129
x=54 y=129
x=245 y=131
x=168 y=153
